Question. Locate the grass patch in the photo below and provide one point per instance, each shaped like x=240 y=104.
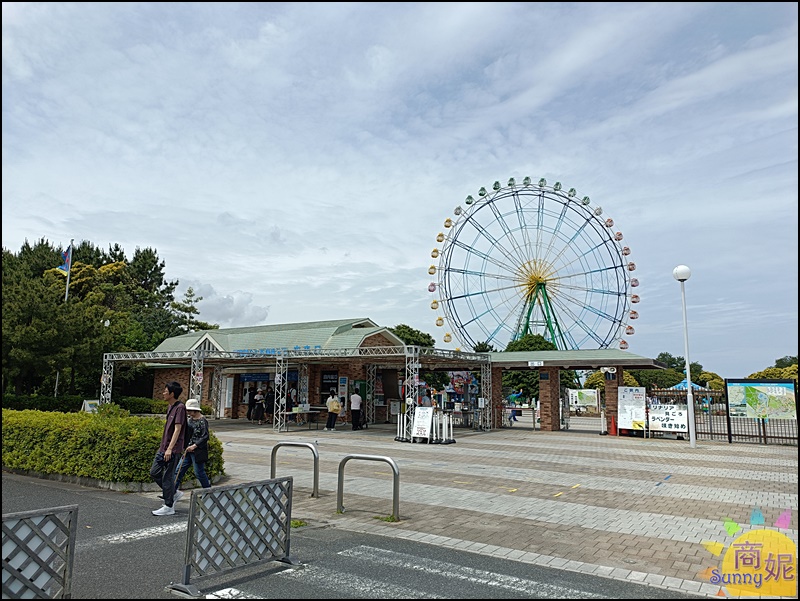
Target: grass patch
x=299 y=523
x=386 y=518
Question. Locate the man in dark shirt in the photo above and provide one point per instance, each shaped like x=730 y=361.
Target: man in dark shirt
x=167 y=459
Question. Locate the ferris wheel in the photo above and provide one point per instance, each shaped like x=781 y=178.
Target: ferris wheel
x=533 y=259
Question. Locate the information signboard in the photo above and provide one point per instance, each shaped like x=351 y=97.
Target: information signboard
x=668 y=418
x=423 y=416
x=631 y=407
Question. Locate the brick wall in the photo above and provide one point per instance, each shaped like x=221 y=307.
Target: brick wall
x=497 y=397
x=550 y=399
x=612 y=397
x=377 y=340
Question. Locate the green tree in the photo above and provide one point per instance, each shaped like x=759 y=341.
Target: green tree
x=33 y=330
x=786 y=361
x=678 y=364
x=484 y=347
x=112 y=306
x=412 y=336
x=776 y=373
x=597 y=380
x=711 y=380
x=528 y=380
x=657 y=378
x=187 y=313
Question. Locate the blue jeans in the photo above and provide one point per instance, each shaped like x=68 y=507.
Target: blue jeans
x=199 y=471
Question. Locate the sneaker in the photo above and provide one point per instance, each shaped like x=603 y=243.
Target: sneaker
x=178 y=495
x=164 y=510
x=324 y=429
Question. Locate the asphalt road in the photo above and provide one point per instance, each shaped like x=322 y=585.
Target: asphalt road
x=123 y=552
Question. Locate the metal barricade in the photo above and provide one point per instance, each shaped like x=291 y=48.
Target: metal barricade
x=236 y=526
x=38 y=549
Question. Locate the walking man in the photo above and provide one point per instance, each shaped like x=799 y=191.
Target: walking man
x=165 y=464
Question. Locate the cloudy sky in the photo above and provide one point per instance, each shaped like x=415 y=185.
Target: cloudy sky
x=295 y=161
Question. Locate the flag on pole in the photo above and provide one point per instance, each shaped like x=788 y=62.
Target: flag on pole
x=66 y=256
x=67 y=266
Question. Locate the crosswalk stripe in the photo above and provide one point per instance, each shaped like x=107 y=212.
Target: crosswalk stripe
x=345 y=585
x=133 y=535
x=524 y=586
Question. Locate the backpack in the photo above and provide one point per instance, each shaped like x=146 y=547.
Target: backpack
x=335 y=406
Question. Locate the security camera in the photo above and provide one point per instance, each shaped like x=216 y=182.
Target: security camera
x=611 y=370
x=604 y=369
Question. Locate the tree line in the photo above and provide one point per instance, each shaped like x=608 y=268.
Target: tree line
x=113 y=304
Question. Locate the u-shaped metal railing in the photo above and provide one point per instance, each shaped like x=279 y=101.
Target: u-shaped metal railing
x=395 y=488
x=310 y=445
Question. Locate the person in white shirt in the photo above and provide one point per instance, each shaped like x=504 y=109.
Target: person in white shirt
x=333 y=411
x=355 y=409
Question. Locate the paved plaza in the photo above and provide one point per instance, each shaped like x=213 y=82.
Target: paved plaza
x=648 y=510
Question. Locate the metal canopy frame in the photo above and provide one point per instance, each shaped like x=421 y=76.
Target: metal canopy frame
x=411 y=359
x=408 y=360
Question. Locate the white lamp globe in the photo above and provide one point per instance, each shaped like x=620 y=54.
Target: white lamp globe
x=681 y=273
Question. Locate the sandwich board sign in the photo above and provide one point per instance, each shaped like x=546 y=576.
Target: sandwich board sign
x=90 y=406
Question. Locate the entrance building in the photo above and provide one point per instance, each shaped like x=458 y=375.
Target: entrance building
x=216 y=366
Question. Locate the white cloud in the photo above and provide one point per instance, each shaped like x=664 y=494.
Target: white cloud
x=295 y=161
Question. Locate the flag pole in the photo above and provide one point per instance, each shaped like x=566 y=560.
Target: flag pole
x=66 y=296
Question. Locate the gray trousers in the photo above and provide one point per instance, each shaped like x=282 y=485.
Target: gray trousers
x=163 y=473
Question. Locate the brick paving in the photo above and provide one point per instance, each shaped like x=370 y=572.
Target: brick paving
x=628 y=508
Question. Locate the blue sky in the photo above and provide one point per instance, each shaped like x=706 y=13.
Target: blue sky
x=295 y=161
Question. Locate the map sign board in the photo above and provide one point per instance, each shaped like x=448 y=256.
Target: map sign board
x=762 y=399
x=584 y=397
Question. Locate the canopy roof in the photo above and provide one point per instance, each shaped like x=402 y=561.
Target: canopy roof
x=682 y=386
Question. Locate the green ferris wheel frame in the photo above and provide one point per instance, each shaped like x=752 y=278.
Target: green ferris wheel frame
x=533 y=259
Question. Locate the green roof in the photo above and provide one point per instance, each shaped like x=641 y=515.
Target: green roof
x=583 y=359
x=351 y=333
x=334 y=334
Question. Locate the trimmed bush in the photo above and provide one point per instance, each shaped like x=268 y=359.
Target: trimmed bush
x=109 y=445
x=72 y=404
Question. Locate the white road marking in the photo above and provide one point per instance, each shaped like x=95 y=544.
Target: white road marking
x=230 y=593
x=532 y=588
x=134 y=535
x=345 y=584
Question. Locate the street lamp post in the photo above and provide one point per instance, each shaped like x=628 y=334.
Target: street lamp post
x=683 y=273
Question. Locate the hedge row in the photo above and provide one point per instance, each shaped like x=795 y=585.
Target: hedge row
x=110 y=445
x=73 y=404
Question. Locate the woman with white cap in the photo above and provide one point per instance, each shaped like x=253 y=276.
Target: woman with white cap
x=258 y=413
x=196 y=447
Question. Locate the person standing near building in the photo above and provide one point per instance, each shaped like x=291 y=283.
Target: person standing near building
x=269 y=400
x=258 y=412
x=291 y=396
x=197 y=449
x=165 y=464
x=334 y=407
x=513 y=399
x=251 y=402
x=426 y=399
x=355 y=409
